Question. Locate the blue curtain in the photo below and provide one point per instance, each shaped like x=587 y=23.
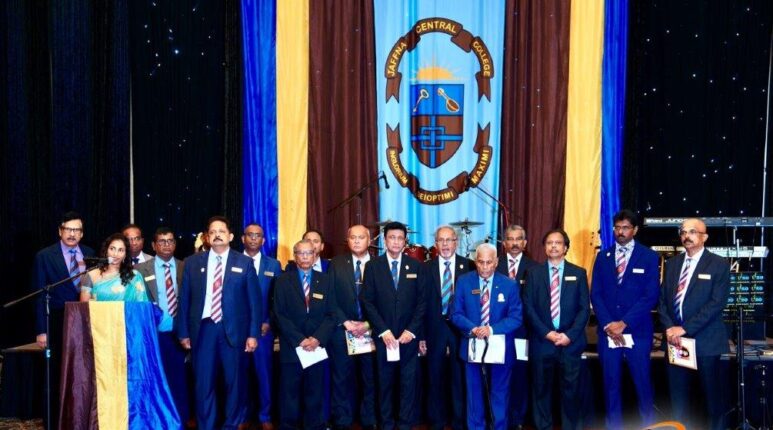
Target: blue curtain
x=259 y=151
x=613 y=112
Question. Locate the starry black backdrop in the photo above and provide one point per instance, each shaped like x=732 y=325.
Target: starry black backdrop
x=696 y=115
x=185 y=62
x=696 y=97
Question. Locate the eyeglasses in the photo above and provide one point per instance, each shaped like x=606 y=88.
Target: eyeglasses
x=445 y=240
x=691 y=232
x=134 y=239
x=165 y=242
x=254 y=235
x=623 y=228
x=304 y=253
x=396 y=238
x=72 y=230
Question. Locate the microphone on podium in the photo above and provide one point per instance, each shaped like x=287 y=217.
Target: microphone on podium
x=383 y=176
x=96 y=261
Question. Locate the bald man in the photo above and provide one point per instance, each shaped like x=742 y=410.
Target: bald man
x=351 y=371
x=695 y=288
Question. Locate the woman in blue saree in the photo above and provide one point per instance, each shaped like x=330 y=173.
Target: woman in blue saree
x=116 y=280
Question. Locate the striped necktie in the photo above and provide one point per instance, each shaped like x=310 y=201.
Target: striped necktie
x=306 y=290
x=511 y=269
x=621 y=264
x=217 y=292
x=74 y=268
x=395 y=277
x=555 y=298
x=357 y=285
x=447 y=288
x=680 y=290
x=171 y=296
x=484 y=304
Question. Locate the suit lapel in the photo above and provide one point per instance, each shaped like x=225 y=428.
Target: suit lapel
x=434 y=266
x=700 y=267
x=635 y=254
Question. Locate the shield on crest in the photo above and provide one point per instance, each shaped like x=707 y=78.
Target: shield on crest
x=437 y=118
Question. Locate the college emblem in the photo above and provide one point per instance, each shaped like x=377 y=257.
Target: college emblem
x=437 y=108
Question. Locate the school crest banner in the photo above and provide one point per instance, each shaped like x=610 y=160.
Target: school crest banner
x=439 y=93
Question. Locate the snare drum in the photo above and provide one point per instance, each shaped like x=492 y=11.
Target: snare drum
x=416 y=251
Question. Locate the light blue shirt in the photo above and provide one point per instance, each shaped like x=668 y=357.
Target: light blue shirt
x=166 y=322
x=211 y=265
x=556 y=321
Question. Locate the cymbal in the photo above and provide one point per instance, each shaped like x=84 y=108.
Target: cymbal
x=466 y=223
x=379 y=224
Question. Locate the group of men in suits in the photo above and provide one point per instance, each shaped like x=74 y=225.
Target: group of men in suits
x=226 y=308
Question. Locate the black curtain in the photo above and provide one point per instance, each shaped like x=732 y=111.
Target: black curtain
x=64 y=129
x=186 y=139
x=696 y=97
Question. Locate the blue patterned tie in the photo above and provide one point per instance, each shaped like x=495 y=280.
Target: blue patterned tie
x=445 y=290
x=74 y=269
x=395 y=278
x=357 y=284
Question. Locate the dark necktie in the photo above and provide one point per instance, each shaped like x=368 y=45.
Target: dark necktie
x=135 y=260
x=74 y=269
x=357 y=285
x=395 y=277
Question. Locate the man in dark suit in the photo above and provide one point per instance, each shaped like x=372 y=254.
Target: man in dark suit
x=487 y=303
x=353 y=382
x=696 y=285
x=393 y=302
x=268 y=269
x=163 y=277
x=304 y=303
x=446 y=371
x=514 y=265
x=219 y=319
x=52 y=264
x=625 y=290
x=133 y=234
x=557 y=309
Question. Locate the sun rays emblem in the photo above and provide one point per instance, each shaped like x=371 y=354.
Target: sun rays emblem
x=436 y=104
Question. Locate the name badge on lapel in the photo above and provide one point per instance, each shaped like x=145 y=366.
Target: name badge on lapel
x=318 y=296
x=637 y=270
x=236 y=269
x=269 y=274
x=476 y=292
x=150 y=278
x=570 y=278
x=410 y=276
x=704 y=276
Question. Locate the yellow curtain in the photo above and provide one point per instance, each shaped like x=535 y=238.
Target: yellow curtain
x=292 y=120
x=582 y=202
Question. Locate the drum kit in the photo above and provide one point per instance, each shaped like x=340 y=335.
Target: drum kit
x=419 y=251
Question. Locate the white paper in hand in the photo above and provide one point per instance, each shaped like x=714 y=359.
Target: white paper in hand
x=627 y=338
x=393 y=354
x=522 y=349
x=495 y=353
x=309 y=358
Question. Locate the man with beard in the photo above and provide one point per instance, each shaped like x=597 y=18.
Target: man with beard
x=352 y=374
x=514 y=265
x=267 y=269
x=695 y=288
x=625 y=290
x=446 y=371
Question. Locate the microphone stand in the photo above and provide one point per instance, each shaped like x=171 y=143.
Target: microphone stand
x=355 y=194
x=47 y=289
x=505 y=211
